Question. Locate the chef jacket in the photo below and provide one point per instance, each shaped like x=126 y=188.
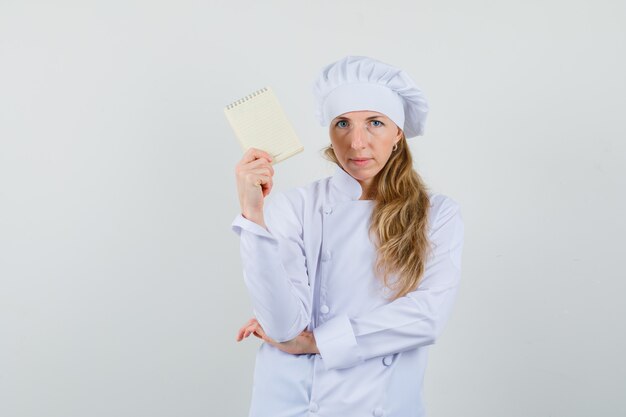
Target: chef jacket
x=313 y=268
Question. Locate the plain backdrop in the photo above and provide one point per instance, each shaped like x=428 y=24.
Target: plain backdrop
x=120 y=280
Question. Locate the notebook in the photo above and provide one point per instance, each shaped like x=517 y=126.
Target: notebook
x=260 y=122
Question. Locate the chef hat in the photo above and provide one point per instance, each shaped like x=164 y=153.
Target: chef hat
x=360 y=83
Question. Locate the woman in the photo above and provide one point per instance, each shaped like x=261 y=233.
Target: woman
x=353 y=276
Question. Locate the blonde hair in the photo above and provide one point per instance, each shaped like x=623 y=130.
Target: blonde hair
x=399 y=220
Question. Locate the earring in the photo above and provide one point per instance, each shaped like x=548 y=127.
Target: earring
x=395 y=147
x=330 y=146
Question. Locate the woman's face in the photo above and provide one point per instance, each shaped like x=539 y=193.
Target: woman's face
x=363 y=142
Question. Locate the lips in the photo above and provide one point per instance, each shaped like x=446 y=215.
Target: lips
x=360 y=161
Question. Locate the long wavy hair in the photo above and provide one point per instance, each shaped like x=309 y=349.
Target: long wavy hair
x=399 y=221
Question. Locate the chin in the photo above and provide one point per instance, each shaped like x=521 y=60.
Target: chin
x=359 y=175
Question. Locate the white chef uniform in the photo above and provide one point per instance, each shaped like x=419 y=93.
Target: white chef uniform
x=314 y=269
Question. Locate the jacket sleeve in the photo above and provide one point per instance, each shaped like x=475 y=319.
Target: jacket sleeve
x=274 y=269
x=410 y=321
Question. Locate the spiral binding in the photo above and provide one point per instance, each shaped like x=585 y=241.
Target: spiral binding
x=246 y=98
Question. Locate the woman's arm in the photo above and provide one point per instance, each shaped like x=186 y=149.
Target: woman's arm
x=275 y=274
x=274 y=267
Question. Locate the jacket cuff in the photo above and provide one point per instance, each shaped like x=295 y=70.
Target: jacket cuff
x=241 y=223
x=337 y=344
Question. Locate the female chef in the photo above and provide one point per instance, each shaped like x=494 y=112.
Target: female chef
x=352 y=277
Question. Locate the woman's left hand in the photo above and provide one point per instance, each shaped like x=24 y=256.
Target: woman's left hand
x=302 y=344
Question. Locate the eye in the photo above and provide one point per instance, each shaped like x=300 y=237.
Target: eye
x=377 y=123
x=342 y=123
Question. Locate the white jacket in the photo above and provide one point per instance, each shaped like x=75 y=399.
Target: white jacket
x=313 y=270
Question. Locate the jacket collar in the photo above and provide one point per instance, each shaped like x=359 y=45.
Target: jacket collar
x=345 y=187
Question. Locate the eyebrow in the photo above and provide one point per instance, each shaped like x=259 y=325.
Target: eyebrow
x=369 y=118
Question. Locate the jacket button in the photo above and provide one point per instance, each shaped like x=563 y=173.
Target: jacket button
x=387 y=360
x=328 y=210
x=379 y=412
x=326 y=255
x=313 y=407
x=324 y=309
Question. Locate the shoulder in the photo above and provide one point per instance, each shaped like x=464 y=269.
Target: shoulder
x=298 y=197
x=442 y=202
x=443 y=209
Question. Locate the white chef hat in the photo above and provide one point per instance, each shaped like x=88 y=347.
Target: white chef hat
x=360 y=83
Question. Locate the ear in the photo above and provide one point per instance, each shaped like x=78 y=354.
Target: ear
x=399 y=136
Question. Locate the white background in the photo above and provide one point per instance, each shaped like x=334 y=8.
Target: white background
x=120 y=282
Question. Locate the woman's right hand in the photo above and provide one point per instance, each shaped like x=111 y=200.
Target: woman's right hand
x=302 y=344
x=254 y=174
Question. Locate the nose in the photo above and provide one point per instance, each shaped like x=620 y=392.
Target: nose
x=358 y=138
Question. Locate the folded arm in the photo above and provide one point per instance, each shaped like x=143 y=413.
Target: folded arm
x=408 y=322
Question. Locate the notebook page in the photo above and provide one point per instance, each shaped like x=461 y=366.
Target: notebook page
x=259 y=121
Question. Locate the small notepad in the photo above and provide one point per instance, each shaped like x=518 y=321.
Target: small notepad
x=260 y=122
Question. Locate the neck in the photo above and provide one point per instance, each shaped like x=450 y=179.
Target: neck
x=366 y=187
